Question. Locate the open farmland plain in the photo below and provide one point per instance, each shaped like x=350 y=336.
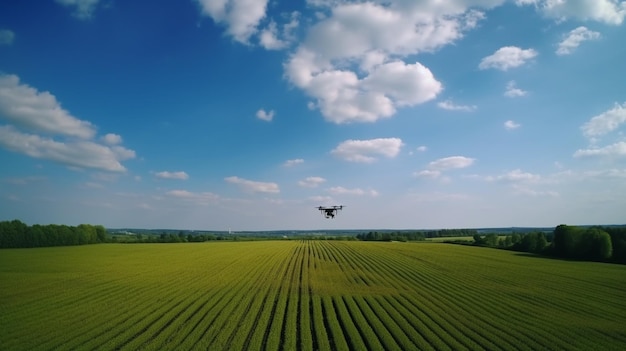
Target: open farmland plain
x=306 y=295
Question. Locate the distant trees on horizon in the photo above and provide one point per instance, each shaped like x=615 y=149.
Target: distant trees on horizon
x=602 y=244
x=16 y=234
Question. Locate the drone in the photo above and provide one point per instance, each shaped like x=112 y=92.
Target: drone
x=330 y=212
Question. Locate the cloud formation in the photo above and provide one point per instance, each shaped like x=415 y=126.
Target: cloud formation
x=605 y=122
x=251 y=186
x=240 y=17
x=265 y=115
x=172 y=175
x=574 y=38
x=510 y=125
x=353 y=63
x=513 y=91
x=607 y=11
x=616 y=149
x=507 y=57
x=449 y=105
x=291 y=163
x=31 y=113
x=367 y=151
x=311 y=182
x=339 y=190
x=29 y=108
x=452 y=162
x=83 y=9
x=79 y=153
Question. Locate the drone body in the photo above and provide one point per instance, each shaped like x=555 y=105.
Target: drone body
x=330 y=212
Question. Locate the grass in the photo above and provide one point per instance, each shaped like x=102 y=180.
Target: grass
x=306 y=295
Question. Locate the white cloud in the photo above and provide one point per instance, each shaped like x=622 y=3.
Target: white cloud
x=352 y=62
x=427 y=173
x=422 y=148
x=271 y=38
x=291 y=163
x=616 y=149
x=507 y=57
x=39 y=112
x=510 y=125
x=265 y=115
x=172 y=175
x=6 y=37
x=343 y=97
x=112 y=139
x=268 y=38
x=338 y=190
x=366 y=151
x=607 y=11
x=29 y=108
x=241 y=17
x=449 y=105
x=452 y=162
x=311 y=182
x=253 y=186
x=515 y=176
x=83 y=154
x=83 y=8
x=574 y=38
x=513 y=91
x=605 y=122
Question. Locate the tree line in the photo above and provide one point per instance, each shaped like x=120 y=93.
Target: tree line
x=407 y=235
x=16 y=234
x=602 y=244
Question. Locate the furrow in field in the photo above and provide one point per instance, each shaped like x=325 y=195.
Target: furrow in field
x=371 y=339
x=212 y=336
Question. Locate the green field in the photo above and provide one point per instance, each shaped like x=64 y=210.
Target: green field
x=306 y=295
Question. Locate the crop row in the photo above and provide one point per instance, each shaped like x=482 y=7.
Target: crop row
x=311 y=295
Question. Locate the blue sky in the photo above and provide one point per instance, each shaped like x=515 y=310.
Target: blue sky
x=247 y=114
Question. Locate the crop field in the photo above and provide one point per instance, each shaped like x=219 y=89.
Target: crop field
x=306 y=295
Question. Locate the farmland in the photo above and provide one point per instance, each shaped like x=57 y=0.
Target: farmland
x=306 y=295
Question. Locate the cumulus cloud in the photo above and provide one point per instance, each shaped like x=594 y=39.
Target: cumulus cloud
x=339 y=190
x=265 y=115
x=311 y=182
x=606 y=11
x=241 y=17
x=6 y=37
x=507 y=57
x=367 y=151
x=271 y=38
x=421 y=148
x=83 y=9
x=291 y=163
x=81 y=153
x=513 y=91
x=253 y=186
x=449 y=105
x=574 y=38
x=452 y=162
x=353 y=61
x=616 y=149
x=112 y=139
x=510 y=125
x=172 y=175
x=25 y=106
x=605 y=122
x=31 y=112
